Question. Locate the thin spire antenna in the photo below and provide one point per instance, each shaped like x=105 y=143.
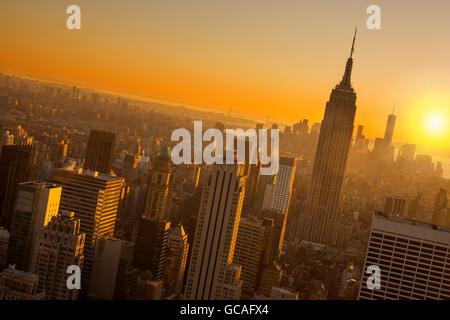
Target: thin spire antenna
x=353 y=43
x=393 y=109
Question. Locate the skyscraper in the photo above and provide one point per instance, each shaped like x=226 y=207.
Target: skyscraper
x=94 y=197
x=321 y=214
x=16 y=166
x=279 y=219
x=114 y=276
x=284 y=180
x=151 y=247
x=413 y=260
x=60 y=245
x=100 y=151
x=160 y=188
x=211 y=272
x=36 y=203
x=178 y=250
x=389 y=133
x=359 y=139
x=252 y=252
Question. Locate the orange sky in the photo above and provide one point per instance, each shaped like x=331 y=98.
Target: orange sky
x=255 y=56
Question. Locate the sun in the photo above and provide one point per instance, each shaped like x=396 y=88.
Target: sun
x=434 y=124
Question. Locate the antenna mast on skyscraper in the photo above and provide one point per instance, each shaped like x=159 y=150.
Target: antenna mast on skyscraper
x=353 y=43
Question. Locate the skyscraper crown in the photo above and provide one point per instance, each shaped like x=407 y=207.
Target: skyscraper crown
x=346 y=84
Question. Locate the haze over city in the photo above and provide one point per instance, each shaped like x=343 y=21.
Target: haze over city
x=240 y=154
x=250 y=56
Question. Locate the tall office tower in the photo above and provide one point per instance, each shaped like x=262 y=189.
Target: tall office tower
x=440 y=207
x=217 y=226
x=151 y=247
x=60 y=245
x=19 y=285
x=100 y=151
x=4 y=241
x=359 y=139
x=94 y=197
x=284 y=180
x=114 y=276
x=270 y=278
x=330 y=162
x=16 y=166
x=178 y=249
x=250 y=199
x=389 y=133
x=413 y=260
x=279 y=229
x=407 y=151
x=252 y=252
x=395 y=205
x=416 y=207
x=160 y=189
x=36 y=204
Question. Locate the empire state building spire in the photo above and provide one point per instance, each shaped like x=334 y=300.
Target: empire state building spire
x=319 y=221
x=346 y=84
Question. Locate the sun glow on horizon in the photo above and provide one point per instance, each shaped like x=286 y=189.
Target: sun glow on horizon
x=434 y=123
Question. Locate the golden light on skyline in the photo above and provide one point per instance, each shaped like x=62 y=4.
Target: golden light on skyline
x=258 y=59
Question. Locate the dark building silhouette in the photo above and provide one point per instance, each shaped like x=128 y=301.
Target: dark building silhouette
x=389 y=133
x=320 y=220
x=100 y=151
x=16 y=166
x=151 y=247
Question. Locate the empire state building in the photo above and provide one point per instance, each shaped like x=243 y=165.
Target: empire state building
x=320 y=219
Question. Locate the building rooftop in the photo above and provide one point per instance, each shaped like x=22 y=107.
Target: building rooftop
x=88 y=173
x=411 y=228
x=20 y=273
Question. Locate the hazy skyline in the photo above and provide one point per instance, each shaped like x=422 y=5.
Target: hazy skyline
x=251 y=56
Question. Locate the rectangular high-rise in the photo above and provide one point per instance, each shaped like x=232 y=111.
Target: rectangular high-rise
x=35 y=205
x=282 y=188
x=252 y=251
x=94 y=197
x=151 y=246
x=211 y=272
x=114 y=276
x=60 y=245
x=100 y=151
x=413 y=258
